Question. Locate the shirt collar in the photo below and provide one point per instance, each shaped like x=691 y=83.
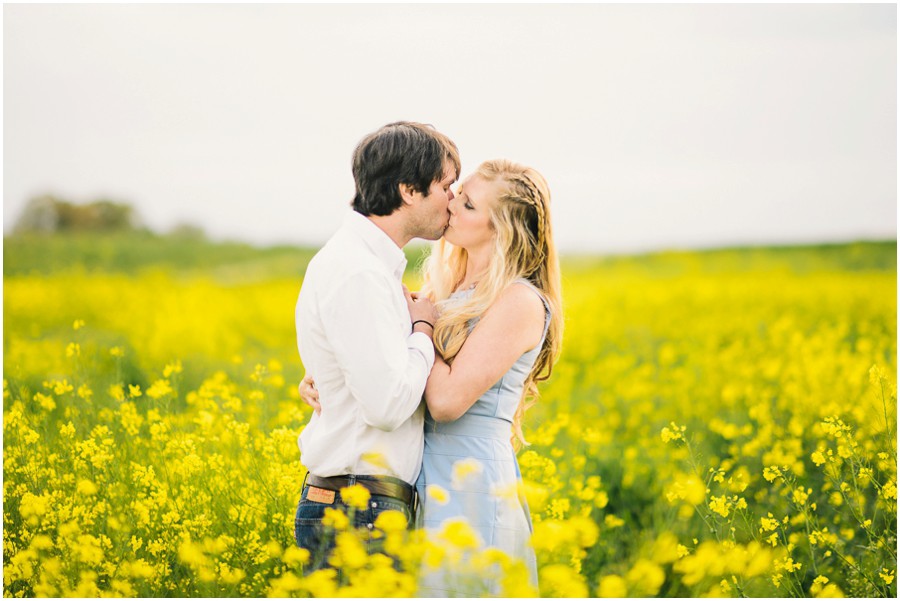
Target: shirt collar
x=378 y=242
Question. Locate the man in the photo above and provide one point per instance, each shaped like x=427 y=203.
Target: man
x=366 y=338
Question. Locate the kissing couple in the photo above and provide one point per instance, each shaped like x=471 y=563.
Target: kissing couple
x=407 y=384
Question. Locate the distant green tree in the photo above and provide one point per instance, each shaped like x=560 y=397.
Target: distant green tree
x=187 y=231
x=48 y=214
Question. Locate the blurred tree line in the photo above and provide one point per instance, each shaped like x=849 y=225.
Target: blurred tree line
x=49 y=214
x=53 y=235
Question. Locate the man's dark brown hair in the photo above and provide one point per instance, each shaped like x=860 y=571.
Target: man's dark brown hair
x=399 y=153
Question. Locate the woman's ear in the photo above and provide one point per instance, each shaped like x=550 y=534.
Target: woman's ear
x=407 y=193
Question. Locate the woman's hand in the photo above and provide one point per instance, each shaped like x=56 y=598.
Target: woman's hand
x=421 y=309
x=309 y=394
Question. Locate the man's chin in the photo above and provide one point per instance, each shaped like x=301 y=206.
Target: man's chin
x=434 y=236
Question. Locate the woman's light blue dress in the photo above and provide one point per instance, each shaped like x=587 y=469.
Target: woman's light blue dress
x=486 y=497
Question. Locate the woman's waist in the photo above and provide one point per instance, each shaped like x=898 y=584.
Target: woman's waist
x=471 y=424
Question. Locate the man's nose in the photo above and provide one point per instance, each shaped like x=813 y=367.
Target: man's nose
x=450 y=195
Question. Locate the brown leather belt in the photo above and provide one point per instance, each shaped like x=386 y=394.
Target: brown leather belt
x=377 y=485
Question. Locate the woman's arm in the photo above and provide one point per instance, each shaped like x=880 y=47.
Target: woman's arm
x=511 y=326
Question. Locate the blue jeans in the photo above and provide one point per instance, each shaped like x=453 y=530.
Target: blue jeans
x=319 y=540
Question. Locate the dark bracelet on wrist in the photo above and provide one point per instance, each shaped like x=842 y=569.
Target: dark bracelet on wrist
x=428 y=323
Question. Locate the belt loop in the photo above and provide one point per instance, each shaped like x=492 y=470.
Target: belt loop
x=352 y=479
x=302 y=486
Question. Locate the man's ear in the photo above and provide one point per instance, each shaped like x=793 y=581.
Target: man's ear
x=407 y=193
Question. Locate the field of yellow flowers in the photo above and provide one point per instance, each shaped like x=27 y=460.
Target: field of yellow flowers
x=720 y=423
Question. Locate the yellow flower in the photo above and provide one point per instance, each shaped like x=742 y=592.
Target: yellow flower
x=45 y=401
x=800 y=496
x=391 y=521
x=612 y=521
x=876 y=375
x=73 y=350
x=88 y=549
x=535 y=494
x=335 y=518
x=32 y=505
x=675 y=433
x=349 y=552
x=561 y=581
x=117 y=351
x=612 y=587
x=356 y=496
x=295 y=556
x=886 y=575
x=139 y=569
x=59 y=387
x=159 y=389
x=117 y=392
x=30 y=436
x=78 y=324
x=771 y=472
x=645 y=578
x=464 y=468
x=788 y=564
x=818 y=458
x=769 y=523
x=172 y=368
x=86 y=487
x=559 y=508
x=374 y=458
x=457 y=531
x=320 y=583
x=134 y=390
x=830 y=591
x=191 y=554
x=719 y=505
x=41 y=542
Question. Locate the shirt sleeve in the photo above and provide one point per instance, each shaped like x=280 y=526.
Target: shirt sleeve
x=385 y=369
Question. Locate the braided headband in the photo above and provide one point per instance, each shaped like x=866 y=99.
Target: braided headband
x=538 y=206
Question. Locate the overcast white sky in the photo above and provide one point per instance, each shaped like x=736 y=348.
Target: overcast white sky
x=657 y=126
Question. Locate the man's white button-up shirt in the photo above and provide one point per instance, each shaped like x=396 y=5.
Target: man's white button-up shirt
x=353 y=333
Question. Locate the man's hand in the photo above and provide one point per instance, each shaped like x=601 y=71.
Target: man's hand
x=309 y=394
x=420 y=307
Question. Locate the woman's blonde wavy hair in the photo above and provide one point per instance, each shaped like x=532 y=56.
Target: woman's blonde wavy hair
x=523 y=248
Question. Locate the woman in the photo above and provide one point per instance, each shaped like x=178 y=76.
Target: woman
x=495 y=279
